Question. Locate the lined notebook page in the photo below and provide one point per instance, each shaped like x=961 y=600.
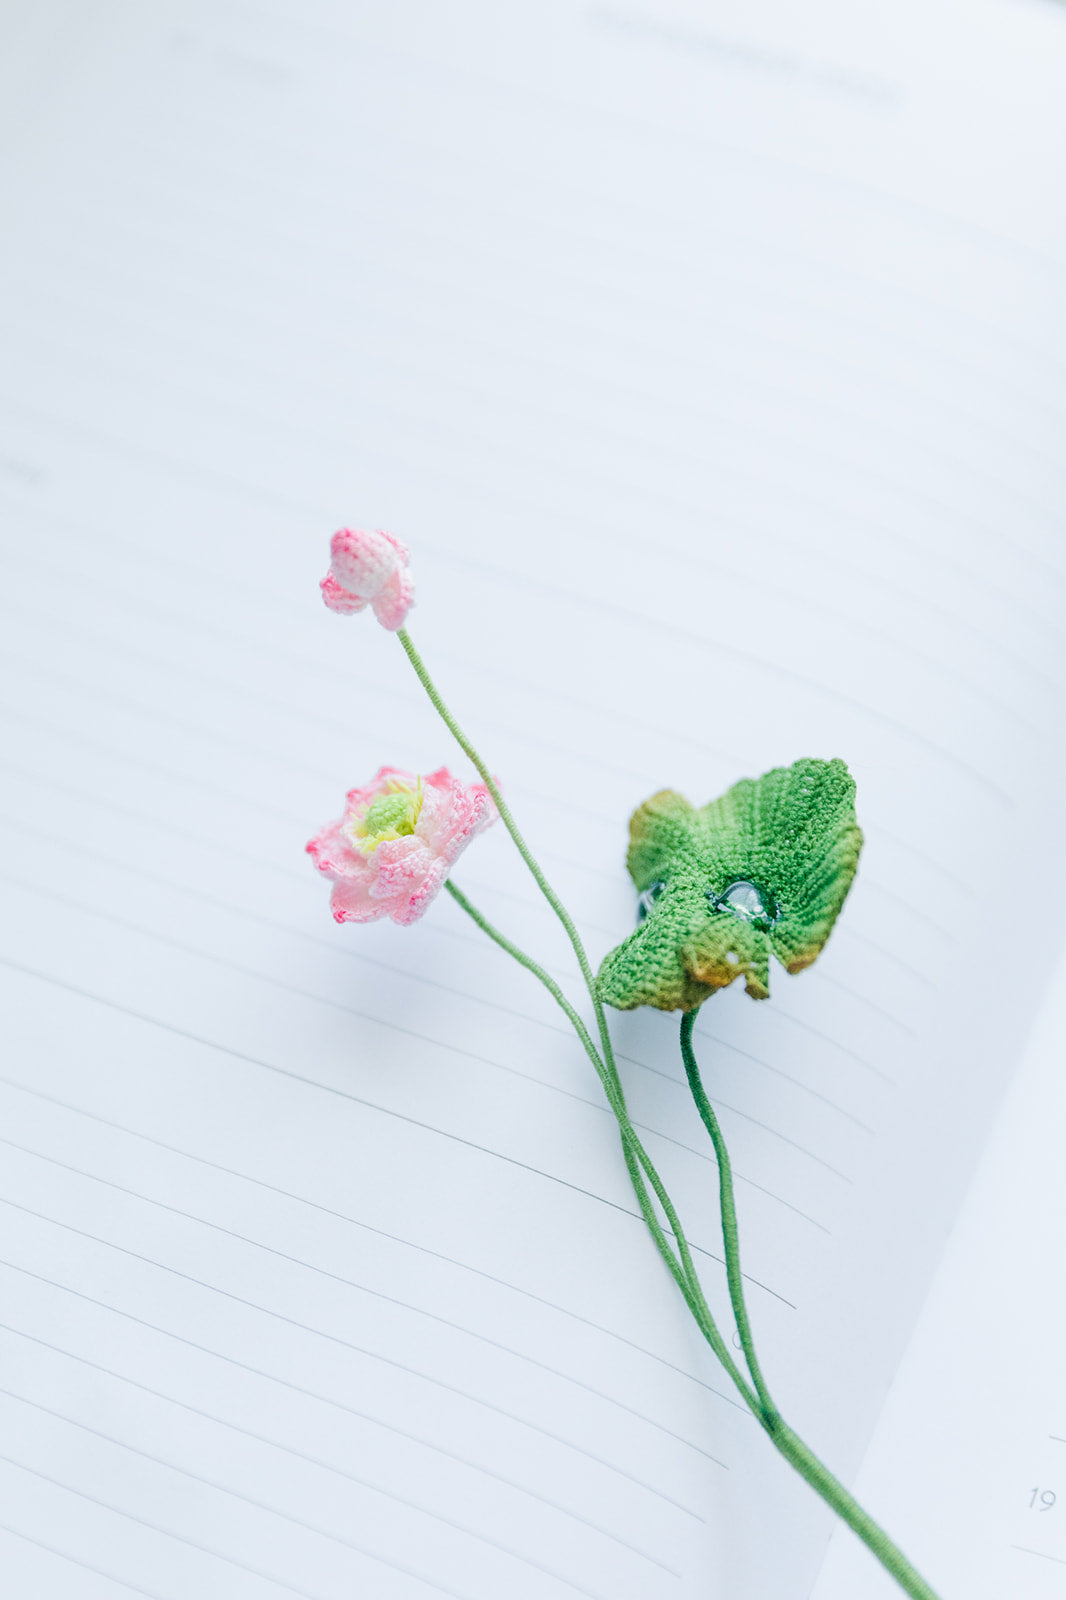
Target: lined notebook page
x=982 y=1385
x=722 y=406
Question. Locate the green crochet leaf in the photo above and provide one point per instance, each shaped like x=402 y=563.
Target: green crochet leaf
x=764 y=869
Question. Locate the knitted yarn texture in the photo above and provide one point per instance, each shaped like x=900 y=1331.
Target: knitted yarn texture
x=369 y=568
x=766 y=867
x=390 y=852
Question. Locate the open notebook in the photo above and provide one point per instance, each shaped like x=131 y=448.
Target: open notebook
x=713 y=363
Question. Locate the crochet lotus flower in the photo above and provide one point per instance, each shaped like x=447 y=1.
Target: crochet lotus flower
x=389 y=854
x=369 y=568
x=765 y=868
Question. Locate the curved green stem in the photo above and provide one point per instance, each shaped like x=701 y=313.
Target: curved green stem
x=531 y=966
x=638 y=1163
x=790 y=1445
x=642 y=1172
x=727 y=1202
x=523 y=849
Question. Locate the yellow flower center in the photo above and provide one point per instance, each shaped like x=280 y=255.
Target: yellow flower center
x=390 y=815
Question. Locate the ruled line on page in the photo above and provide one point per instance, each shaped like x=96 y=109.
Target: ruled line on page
x=156 y=716
x=764 y=245
x=77 y=1561
x=326 y=1400
x=107 y=644
x=778 y=669
x=187 y=889
x=716 y=566
x=626 y=442
x=644 y=1064
x=917 y=974
x=778 y=1072
x=161 y=717
x=908 y=847
x=180 y=619
x=323 y=1533
x=1043 y=1554
x=806 y=1026
x=644 y=623
x=291 y=1450
x=866 y=1000
x=239 y=909
x=338 y=1405
x=172 y=774
x=290 y=872
x=343 y=1094
x=825 y=690
x=57 y=522
x=277 y=219
x=779 y=168
x=178 y=775
x=340 y=1216
x=312 y=1083
x=184 y=670
x=216 y=960
x=593 y=1104
x=362 y=1288
x=268 y=863
x=230 y=1561
x=1031 y=556
x=590 y=868
x=334 y=1338
x=167 y=825
x=39 y=723
x=155 y=1527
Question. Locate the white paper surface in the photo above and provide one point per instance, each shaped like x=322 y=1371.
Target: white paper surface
x=969 y=1462
x=722 y=407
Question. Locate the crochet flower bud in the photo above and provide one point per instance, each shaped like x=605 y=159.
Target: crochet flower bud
x=369 y=569
x=389 y=854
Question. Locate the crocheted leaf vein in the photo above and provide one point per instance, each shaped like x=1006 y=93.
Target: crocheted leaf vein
x=764 y=869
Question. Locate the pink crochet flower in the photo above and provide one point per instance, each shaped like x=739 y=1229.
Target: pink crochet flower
x=389 y=854
x=369 y=569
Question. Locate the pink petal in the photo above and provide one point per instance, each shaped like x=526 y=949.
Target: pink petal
x=350 y=902
x=401 y=877
x=357 y=800
x=453 y=812
x=400 y=865
x=395 y=599
x=340 y=599
x=332 y=852
x=363 y=561
x=420 y=901
x=399 y=547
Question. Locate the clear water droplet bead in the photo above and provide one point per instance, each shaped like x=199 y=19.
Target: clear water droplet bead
x=648 y=898
x=748 y=902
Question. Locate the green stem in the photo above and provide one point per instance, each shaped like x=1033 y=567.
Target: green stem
x=790 y=1445
x=640 y=1167
x=846 y=1506
x=638 y=1162
x=523 y=849
x=531 y=966
x=607 y=1067
x=727 y=1202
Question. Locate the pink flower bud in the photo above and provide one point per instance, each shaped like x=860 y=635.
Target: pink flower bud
x=369 y=568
